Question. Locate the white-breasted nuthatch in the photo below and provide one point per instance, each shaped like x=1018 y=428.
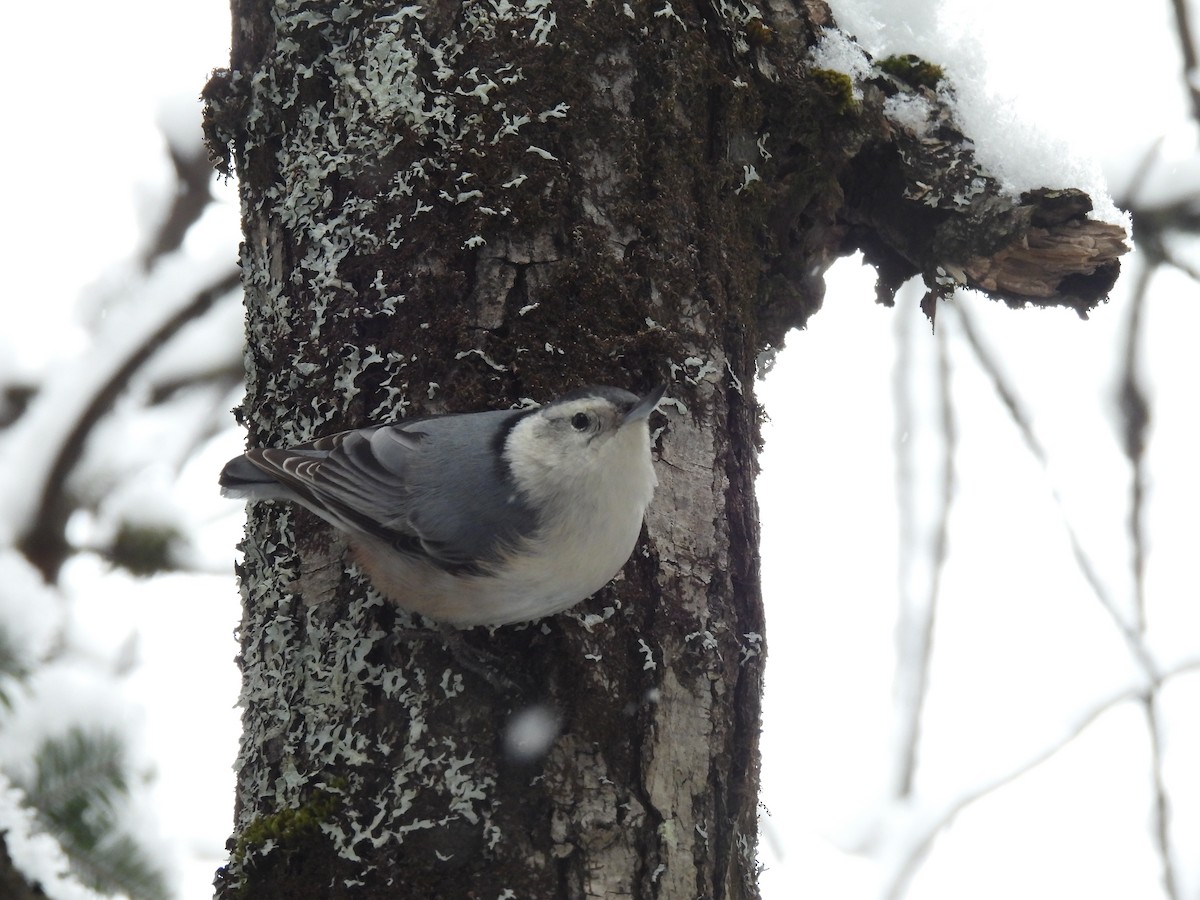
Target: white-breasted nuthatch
x=478 y=518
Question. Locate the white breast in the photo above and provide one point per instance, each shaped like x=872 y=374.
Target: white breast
x=589 y=529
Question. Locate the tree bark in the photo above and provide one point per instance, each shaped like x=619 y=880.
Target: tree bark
x=455 y=206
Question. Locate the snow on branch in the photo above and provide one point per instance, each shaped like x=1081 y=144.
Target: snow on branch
x=918 y=202
x=39 y=450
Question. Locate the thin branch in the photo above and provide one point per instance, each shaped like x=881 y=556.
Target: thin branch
x=1136 y=418
x=1141 y=174
x=1187 y=47
x=1161 y=816
x=927 y=825
x=905 y=721
x=1135 y=414
x=42 y=538
x=916 y=627
x=1021 y=419
x=193 y=194
x=1152 y=224
x=1173 y=260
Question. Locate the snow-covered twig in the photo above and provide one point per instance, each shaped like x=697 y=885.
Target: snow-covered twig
x=38 y=452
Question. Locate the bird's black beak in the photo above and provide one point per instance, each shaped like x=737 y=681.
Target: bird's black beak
x=645 y=406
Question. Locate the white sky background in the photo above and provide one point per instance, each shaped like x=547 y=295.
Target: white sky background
x=1021 y=649
x=1020 y=646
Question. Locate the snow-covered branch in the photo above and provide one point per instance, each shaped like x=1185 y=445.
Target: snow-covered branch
x=39 y=450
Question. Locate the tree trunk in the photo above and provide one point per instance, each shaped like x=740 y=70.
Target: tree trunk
x=455 y=206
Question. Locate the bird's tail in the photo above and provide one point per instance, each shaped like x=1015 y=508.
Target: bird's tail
x=242 y=480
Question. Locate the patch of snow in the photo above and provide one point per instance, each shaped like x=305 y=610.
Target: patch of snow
x=529 y=732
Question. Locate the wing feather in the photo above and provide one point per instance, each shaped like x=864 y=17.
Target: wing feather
x=434 y=488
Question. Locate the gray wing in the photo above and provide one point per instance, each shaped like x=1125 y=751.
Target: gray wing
x=436 y=487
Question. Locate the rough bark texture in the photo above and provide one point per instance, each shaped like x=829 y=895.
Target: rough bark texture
x=460 y=205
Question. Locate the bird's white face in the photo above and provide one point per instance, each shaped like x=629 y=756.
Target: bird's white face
x=570 y=442
x=586 y=468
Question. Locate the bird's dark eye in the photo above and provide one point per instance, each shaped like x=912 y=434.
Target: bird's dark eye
x=580 y=421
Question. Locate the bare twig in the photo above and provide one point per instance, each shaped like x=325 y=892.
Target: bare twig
x=928 y=824
x=1153 y=224
x=1161 y=816
x=1141 y=174
x=1021 y=419
x=1187 y=47
x=1135 y=414
x=917 y=615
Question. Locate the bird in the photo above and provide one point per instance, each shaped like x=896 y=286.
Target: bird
x=483 y=518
